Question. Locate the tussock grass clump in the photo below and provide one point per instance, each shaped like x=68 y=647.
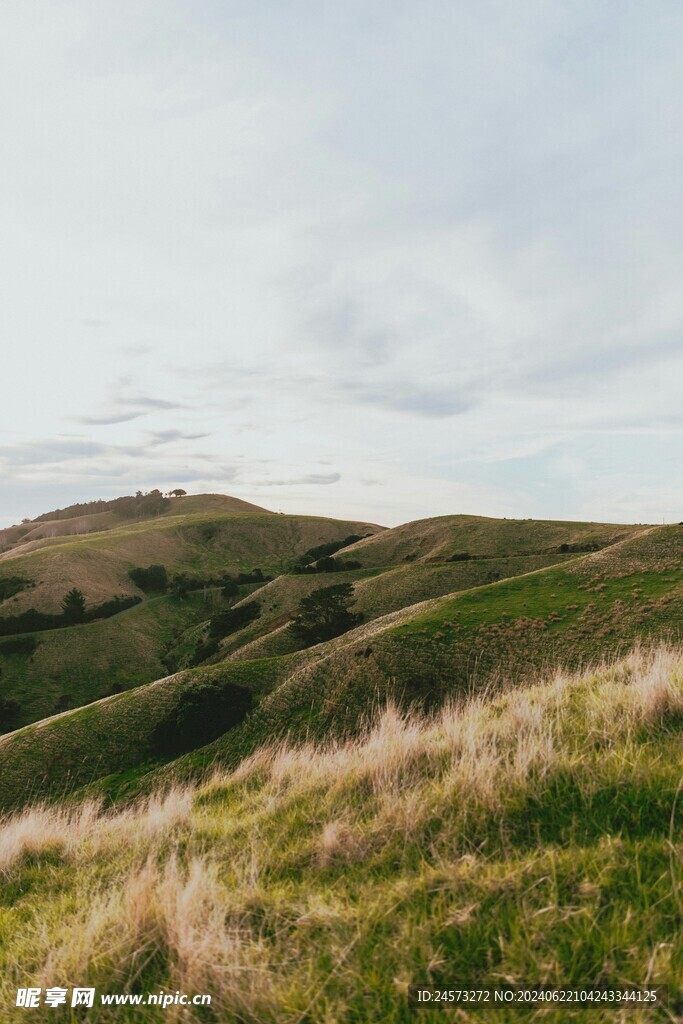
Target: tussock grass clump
x=85 y=830
x=529 y=836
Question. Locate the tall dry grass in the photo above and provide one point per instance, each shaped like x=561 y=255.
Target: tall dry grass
x=191 y=880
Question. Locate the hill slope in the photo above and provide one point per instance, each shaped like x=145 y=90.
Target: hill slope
x=200 y=535
x=529 y=839
x=442 y=538
x=204 y=536
x=593 y=604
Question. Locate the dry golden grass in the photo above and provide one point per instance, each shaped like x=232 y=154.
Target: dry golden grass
x=86 y=830
x=264 y=885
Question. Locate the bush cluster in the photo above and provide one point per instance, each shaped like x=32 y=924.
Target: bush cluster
x=74 y=611
x=202 y=714
x=222 y=624
x=323 y=552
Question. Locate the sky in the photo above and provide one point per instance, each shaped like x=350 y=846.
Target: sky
x=378 y=261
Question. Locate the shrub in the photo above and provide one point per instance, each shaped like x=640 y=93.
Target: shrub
x=255 y=576
x=224 y=623
x=327 y=564
x=29 y=621
x=202 y=714
x=11 y=585
x=181 y=584
x=229 y=587
x=112 y=607
x=302 y=564
x=204 y=649
x=10 y=712
x=19 y=645
x=154 y=577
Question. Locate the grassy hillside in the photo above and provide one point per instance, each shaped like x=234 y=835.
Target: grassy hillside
x=378 y=591
x=593 y=604
x=529 y=838
x=112 y=735
x=199 y=535
x=72 y=522
x=441 y=538
x=203 y=536
x=78 y=664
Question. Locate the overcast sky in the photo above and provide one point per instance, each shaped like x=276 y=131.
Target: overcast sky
x=376 y=260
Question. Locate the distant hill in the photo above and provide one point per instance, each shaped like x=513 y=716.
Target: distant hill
x=98 y=516
x=447 y=537
x=202 y=534
x=203 y=537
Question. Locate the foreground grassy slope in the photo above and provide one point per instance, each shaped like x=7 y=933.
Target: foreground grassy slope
x=204 y=534
x=532 y=838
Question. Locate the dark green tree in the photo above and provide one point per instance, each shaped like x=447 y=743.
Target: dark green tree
x=154 y=577
x=181 y=585
x=10 y=712
x=202 y=714
x=73 y=606
x=325 y=614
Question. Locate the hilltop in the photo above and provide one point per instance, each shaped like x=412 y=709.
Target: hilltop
x=444 y=538
x=521 y=839
x=199 y=535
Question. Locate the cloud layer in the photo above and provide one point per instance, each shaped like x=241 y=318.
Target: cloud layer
x=427 y=254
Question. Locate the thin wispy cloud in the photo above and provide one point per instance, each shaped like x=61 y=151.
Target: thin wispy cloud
x=159 y=437
x=315 y=479
x=107 y=419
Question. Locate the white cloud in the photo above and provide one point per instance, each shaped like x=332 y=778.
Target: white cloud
x=431 y=243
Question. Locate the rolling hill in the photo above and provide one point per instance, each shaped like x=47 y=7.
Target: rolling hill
x=480 y=781
x=204 y=536
x=570 y=612
x=446 y=537
x=200 y=535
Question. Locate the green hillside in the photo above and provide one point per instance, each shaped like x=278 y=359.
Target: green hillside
x=445 y=537
x=530 y=838
x=75 y=665
x=378 y=591
x=198 y=535
x=570 y=613
x=421 y=560
x=204 y=536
